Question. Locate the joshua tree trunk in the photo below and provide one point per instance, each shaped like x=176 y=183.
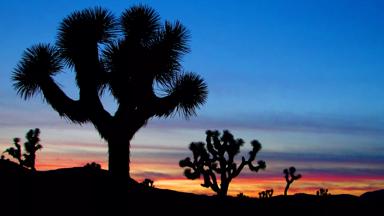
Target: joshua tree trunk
x=119 y=157
x=119 y=134
x=33 y=158
x=224 y=189
x=119 y=138
x=286 y=189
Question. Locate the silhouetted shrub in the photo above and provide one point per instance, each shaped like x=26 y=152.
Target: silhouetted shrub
x=290 y=177
x=217 y=157
x=31 y=146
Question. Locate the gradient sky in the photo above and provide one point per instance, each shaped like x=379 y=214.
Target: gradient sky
x=305 y=78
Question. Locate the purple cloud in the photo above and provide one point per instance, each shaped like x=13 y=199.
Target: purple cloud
x=151 y=175
x=281 y=122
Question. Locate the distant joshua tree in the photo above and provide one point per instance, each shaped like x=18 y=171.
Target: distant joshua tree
x=15 y=152
x=242 y=196
x=323 y=192
x=266 y=194
x=93 y=166
x=136 y=57
x=290 y=177
x=148 y=183
x=31 y=146
x=217 y=156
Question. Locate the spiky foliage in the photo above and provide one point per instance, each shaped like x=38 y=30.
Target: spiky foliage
x=290 y=177
x=37 y=63
x=128 y=55
x=15 y=152
x=266 y=194
x=31 y=146
x=217 y=157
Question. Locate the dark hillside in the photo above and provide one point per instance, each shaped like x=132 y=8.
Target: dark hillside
x=84 y=191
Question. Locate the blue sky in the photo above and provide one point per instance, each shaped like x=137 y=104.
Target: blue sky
x=303 y=77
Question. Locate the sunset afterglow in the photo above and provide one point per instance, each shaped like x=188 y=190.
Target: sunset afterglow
x=304 y=79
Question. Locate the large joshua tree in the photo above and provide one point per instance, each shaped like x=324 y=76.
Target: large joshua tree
x=134 y=56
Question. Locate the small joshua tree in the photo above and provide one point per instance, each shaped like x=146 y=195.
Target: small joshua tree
x=31 y=146
x=148 y=183
x=217 y=157
x=93 y=166
x=290 y=177
x=322 y=192
x=266 y=194
x=241 y=195
x=15 y=152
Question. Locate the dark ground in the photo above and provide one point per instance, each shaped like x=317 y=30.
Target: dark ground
x=87 y=191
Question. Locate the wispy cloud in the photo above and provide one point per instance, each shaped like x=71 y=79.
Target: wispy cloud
x=319 y=157
x=314 y=123
x=151 y=175
x=282 y=122
x=33 y=118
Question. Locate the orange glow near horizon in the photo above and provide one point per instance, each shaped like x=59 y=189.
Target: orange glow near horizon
x=168 y=175
x=252 y=187
x=355 y=185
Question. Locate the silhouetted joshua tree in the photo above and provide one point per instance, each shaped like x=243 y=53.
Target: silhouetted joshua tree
x=148 y=183
x=242 y=196
x=93 y=166
x=266 y=194
x=290 y=177
x=31 y=146
x=322 y=192
x=15 y=152
x=217 y=157
x=135 y=57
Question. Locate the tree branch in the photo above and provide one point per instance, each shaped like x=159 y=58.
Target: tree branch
x=238 y=170
x=59 y=101
x=165 y=106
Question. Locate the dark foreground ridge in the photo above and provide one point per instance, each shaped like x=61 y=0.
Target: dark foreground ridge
x=87 y=191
